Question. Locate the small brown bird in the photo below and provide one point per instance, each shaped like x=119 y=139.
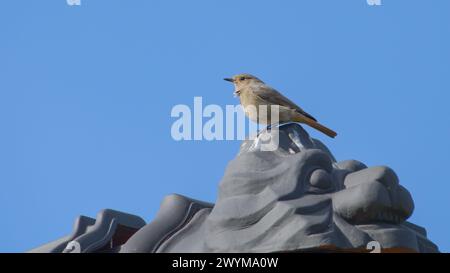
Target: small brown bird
x=254 y=92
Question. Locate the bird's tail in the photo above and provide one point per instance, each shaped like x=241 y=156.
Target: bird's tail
x=315 y=125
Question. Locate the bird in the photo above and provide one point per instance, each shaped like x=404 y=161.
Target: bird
x=254 y=92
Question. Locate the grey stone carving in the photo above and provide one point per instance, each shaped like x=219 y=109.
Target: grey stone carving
x=294 y=198
x=109 y=231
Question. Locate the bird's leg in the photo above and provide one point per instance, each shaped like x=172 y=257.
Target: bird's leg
x=262 y=131
x=267 y=129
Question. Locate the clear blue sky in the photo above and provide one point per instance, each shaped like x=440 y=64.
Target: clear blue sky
x=86 y=94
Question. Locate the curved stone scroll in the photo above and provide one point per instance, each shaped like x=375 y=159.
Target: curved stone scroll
x=298 y=198
x=295 y=198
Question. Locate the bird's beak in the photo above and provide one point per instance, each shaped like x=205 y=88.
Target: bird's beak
x=228 y=80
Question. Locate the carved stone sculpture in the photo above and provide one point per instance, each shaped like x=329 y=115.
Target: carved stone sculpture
x=296 y=197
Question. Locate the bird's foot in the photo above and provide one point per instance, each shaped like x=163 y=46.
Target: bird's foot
x=266 y=130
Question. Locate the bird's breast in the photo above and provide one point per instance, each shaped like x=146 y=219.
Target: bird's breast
x=253 y=109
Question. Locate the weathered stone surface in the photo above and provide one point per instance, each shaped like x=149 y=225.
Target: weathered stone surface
x=294 y=198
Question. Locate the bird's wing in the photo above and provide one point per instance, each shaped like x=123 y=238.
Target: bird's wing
x=272 y=96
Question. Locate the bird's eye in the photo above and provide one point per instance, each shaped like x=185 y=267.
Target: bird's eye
x=242 y=78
